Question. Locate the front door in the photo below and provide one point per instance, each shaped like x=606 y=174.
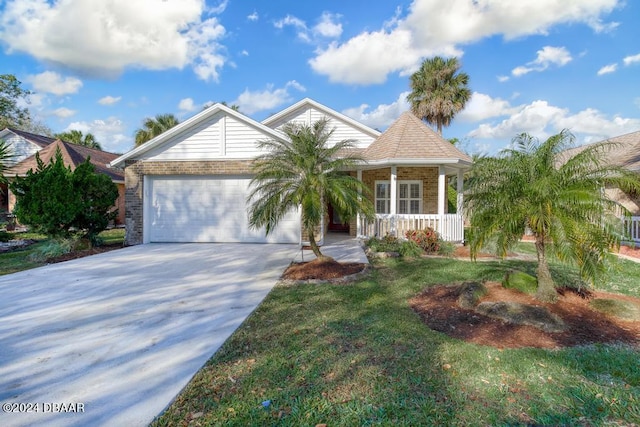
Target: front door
x=335 y=222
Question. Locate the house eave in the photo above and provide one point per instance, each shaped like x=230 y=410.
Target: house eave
x=434 y=161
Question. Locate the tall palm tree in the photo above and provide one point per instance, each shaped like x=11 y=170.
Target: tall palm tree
x=560 y=200
x=77 y=137
x=438 y=91
x=152 y=127
x=304 y=171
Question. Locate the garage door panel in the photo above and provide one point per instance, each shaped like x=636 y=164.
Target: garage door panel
x=207 y=209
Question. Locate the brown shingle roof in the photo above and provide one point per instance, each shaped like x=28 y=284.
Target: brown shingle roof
x=72 y=155
x=625 y=151
x=409 y=138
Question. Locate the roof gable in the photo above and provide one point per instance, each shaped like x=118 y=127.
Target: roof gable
x=72 y=156
x=408 y=138
x=306 y=108
x=190 y=128
x=39 y=140
x=625 y=151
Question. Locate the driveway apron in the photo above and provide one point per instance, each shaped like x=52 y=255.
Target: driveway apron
x=111 y=339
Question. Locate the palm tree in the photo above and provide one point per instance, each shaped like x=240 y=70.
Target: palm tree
x=304 y=171
x=6 y=159
x=560 y=200
x=152 y=127
x=76 y=137
x=437 y=92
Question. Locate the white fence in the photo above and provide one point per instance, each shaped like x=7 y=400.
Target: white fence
x=449 y=226
x=632 y=228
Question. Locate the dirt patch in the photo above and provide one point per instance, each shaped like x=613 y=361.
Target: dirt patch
x=439 y=309
x=633 y=252
x=321 y=270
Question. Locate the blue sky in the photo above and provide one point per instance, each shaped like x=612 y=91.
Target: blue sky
x=535 y=66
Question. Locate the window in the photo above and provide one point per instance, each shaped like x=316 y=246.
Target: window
x=383 y=197
x=409 y=197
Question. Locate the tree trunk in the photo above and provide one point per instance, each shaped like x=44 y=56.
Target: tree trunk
x=314 y=245
x=546 y=287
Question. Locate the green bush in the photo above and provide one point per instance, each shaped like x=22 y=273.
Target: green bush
x=5 y=236
x=428 y=239
x=59 y=202
x=446 y=248
x=52 y=249
x=388 y=243
x=410 y=249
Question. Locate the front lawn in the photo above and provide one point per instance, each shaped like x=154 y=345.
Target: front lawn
x=354 y=355
x=22 y=259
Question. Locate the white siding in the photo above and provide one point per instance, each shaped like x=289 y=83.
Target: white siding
x=343 y=130
x=242 y=139
x=200 y=142
x=20 y=148
x=206 y=209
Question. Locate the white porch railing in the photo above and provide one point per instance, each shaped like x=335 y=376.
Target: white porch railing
x=632 y=228
x=449 y=226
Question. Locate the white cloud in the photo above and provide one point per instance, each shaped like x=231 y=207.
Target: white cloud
x=63 y=113
x=433 y=27
x=611 y=68
x=291 y=21
x=216 y=10
x=52 y=82
x=187 y=104
x=244 y=52
x=541 y=120
x=109 y=133
x=253 y=17
x=503 y=79
x=109 y=100
x=115 y=35
x=328 y=26
x=252 y=102
x=628 y=60
x=381 y=116
x=547 y=56
x=482 y=107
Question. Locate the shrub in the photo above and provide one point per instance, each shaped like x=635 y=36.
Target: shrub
x=59 y=202
x=388 y=243
x=410 y=249
x=446 y=248
x=428 y=239
x=4 y=236
x=53 y=248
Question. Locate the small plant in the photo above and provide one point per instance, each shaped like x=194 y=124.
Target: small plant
x=5 y=236
x=388 y=243
x=52 y=249
x=446 y=248
x=428 y=239
x=410 y=249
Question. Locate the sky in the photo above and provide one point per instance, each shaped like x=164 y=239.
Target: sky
x=535 y=66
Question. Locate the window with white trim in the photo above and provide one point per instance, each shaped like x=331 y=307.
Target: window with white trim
x=383 y=197
x=409 y=197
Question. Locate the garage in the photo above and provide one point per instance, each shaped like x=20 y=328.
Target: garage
x=206 y=209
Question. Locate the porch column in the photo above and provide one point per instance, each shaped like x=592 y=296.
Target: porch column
x=460 y=189
x=442 y=180
x=393 y=189
x=358 y=220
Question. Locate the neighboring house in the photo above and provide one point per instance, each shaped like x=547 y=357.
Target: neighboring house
x=190 y=184
x=73 y=155
x=22 y=144
x=625 y=153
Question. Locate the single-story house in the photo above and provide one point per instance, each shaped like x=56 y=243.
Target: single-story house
x=190 y=184
x=22 y=145
x=73 y=155
x=625 y=152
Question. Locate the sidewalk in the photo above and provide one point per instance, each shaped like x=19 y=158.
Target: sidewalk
x=339 y=246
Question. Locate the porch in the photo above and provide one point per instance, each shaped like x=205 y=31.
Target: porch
x=449 y=226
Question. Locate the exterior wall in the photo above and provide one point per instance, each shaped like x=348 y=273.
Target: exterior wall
x=120 y=205
x=134 y=185
x=20 y=148
x=342 y=130
x=428 y=176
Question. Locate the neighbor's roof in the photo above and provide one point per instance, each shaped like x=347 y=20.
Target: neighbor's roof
x=408 y=138
x=39 y=140
x=72 y=155
x=625 y=151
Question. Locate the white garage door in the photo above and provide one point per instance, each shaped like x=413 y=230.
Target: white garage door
x=206 y=209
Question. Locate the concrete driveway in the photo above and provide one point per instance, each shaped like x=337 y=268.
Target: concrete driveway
x=116 y=336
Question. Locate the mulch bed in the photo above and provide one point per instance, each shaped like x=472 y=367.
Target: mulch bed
x=83 y=253
x=438 y=308
x=325 y=269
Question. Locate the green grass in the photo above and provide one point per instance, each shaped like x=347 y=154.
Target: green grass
x=357 y=355
x=19 y=259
